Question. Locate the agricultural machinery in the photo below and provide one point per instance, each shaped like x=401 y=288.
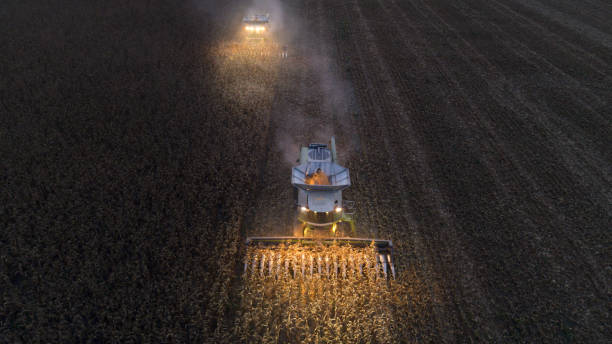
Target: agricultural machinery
x=324 y=219
x=256 y=27
x=255 y=40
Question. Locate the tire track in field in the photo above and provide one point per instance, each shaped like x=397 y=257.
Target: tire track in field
x=460 y=108
x=587 y=12
x=474 y=17
x=387 y=35
x=408 y=45
x=515 y=180
x=583 y=27
x=516 y=161
x=569 y=156
x=596 y=163
x=594 y=60
x=548 y=69
x=592 y=165
x=559 y=72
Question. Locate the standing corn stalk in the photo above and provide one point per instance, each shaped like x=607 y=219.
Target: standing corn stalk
x=342 y=306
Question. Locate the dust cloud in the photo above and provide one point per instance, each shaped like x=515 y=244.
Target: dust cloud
x=319 y=104
x=314 y=101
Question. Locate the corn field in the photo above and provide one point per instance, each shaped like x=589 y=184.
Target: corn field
x=140 y=146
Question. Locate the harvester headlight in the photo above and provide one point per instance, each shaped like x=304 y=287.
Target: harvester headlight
x=339 y=209
x=255 y=28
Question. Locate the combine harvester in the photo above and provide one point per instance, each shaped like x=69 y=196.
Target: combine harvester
x=255 y=39
x=325 y=221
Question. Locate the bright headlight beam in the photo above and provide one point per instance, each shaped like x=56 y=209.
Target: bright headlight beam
x=255 y=28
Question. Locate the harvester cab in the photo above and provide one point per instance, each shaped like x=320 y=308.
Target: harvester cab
x=319 y=181
x=326 y=219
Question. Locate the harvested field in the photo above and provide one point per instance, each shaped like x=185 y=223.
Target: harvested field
x=137 y=155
